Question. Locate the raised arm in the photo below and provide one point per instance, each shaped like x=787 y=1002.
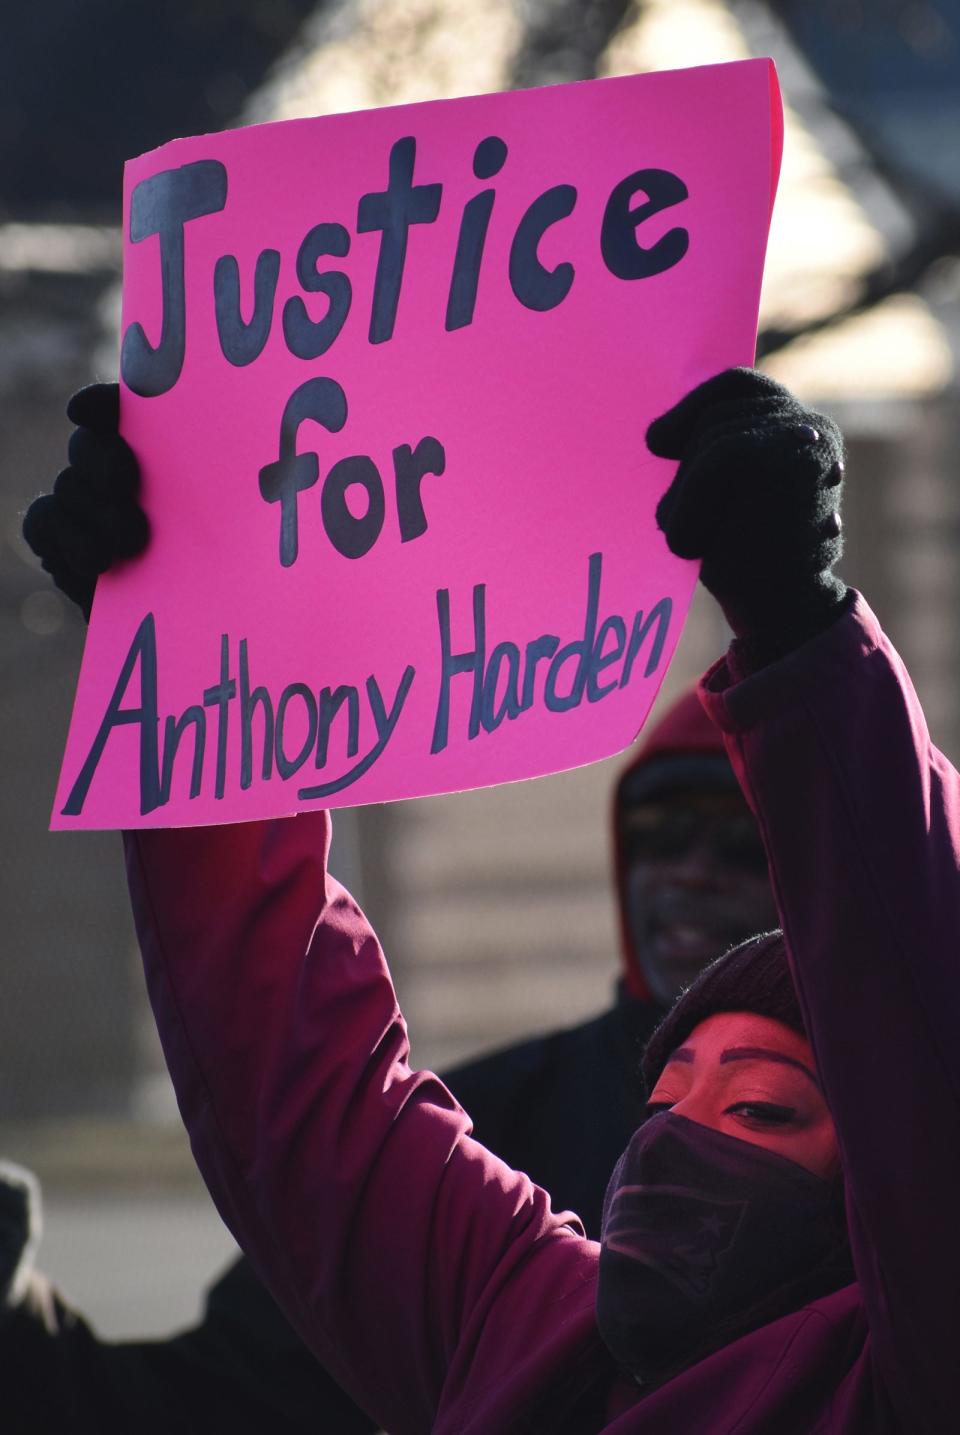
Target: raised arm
x=403 y=1252
x=861 y=819
x=861 y=816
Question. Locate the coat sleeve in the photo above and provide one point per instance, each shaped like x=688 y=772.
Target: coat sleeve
x=861 y=819
x=393 y=1242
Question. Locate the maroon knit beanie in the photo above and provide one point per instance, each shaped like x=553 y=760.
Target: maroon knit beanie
x=754 y=976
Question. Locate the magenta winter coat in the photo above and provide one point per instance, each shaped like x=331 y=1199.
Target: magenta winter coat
x=435 y=1283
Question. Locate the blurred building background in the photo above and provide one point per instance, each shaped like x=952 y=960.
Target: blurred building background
x=495 y=907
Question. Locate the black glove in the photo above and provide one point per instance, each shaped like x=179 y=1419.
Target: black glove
x=92 y=518
x=19 y=1230
x=756 y=497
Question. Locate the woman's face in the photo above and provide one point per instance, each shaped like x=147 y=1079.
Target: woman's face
x=752 y=1077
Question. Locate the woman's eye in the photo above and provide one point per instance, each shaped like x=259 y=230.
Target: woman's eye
x=765 y=1113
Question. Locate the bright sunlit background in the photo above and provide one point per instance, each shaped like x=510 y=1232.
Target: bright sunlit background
x=495 y=907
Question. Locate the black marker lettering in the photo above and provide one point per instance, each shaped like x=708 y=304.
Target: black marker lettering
x=660 y=614
x=488 y=160
x=173 y=731
x=601 y=660
x=385 y=724
x=143 y=650
x=535 y=286
x=240 y=342
x=287 y=766
x=492 y=715
x=330 y=705
x=580 y=649
x=538 y=650
x=353 y=537
x=162 y=205
x=410 y=467
x=323 y=401
x=393 y=211
x=248 y=705
x=309 y=338
x=220 y=697
x=453 y=663
x=622 y=252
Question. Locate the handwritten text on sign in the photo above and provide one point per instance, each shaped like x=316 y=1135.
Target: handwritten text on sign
x=388 y=376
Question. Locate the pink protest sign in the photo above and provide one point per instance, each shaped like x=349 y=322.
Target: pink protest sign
x=388 y=376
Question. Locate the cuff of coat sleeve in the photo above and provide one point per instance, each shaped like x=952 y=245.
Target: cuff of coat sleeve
x=736 y=701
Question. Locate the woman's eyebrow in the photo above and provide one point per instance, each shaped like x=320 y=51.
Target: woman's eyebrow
x=682 y=1053
x=762 y=1053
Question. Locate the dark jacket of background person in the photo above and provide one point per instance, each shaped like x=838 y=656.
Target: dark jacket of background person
x=437 y=1283
x=561 y=1107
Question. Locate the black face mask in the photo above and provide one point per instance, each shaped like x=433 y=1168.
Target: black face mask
x=705 y=1237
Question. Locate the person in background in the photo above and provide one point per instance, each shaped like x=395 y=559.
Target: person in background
x=691 y=880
